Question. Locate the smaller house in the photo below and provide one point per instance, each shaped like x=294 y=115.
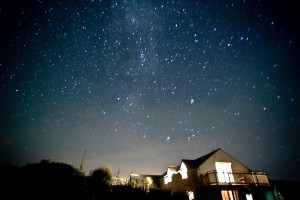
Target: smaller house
x=219 y=176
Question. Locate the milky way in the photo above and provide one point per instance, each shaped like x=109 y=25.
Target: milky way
x=141 y=85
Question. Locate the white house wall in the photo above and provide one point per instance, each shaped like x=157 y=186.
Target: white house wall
x=221 y=156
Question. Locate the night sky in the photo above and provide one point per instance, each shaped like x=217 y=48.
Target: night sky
x=141 y=85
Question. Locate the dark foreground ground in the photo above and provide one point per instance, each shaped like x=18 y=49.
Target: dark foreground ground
x=51 y=180
x=289 y=190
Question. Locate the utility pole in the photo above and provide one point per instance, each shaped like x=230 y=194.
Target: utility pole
x=129 y=177
x=81 y=164
x=118 y=173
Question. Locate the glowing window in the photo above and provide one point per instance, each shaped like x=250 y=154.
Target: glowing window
x=249 y=197
x=191 y=195
x=183 y=171
x=224 y=172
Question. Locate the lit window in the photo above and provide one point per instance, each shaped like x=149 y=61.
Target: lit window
x=183 y=171
x=249 y=197
x=191 y=195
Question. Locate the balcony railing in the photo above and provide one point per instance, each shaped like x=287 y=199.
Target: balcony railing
x=236 y=178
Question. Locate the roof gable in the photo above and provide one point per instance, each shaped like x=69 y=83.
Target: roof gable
x=191 y=164
x=194 y=164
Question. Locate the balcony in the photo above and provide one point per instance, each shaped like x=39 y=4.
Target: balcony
x=236 y=178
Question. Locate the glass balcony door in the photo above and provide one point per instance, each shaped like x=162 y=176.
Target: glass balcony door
x=224 y=172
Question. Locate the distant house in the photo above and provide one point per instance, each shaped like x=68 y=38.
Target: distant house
x=218 y=176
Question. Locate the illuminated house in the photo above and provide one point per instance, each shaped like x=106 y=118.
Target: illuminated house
x=218 y=176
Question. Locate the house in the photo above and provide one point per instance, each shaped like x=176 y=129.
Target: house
x=218 y=176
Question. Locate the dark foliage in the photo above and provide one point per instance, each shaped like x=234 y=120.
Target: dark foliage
x=52 y=180
x=100 y=182
x=127 y=192
x=135 y=193
x=167 y=195
x=44 y=180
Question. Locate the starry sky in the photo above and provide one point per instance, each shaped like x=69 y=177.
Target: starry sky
x=141 y=85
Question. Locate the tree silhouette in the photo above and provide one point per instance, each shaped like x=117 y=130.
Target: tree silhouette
x=54 y=180
x=101 y=180
x=44 y=180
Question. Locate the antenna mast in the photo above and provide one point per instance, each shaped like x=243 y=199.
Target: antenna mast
x=82 y=161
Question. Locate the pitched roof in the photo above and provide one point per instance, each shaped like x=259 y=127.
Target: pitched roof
x=174 y=167
x=191 y=164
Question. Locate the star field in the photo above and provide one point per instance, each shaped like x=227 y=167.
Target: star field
x=140 y=85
